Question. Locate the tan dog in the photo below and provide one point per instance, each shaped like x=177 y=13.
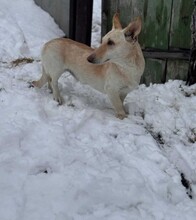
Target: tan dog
x=115 y=68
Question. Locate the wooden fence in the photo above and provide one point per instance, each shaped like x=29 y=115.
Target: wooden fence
x=165 y=36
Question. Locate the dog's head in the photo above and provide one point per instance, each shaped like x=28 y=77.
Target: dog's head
x=117 y=43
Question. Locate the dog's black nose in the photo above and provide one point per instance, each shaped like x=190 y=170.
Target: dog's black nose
x=91 y=58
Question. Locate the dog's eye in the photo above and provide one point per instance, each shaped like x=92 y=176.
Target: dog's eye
x=110 y=42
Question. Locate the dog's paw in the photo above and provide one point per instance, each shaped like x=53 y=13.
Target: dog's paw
x=121 y=115
x=30 y=85
x=59 y=99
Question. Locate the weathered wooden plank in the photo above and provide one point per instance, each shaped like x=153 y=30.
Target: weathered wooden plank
x=156 y=16
x=177 y=69
x=180 y=34
x=108 y=10
x=154 y=71
x=160 y=54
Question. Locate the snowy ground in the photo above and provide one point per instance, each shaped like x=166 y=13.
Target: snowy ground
x=77 y=161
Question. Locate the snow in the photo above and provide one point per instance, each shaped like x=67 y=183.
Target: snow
x=24 y=28
x=96 y=24
x=77 y=161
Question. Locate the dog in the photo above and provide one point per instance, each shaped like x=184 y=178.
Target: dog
x=114 y=68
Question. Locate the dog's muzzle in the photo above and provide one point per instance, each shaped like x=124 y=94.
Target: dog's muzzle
x=92 y=58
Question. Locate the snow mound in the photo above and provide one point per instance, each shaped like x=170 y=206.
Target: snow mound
x=77 y=161
x=24 y=29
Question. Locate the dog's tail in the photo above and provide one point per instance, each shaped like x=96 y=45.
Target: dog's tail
x=43 y=80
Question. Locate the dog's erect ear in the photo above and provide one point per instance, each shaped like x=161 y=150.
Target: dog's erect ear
x=116 y=22
x=133 y=29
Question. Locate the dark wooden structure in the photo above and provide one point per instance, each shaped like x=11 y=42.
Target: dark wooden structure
x=81 y=20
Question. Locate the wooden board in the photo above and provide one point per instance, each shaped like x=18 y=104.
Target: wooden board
x=177 y=69
x=180 y=34
x=154 y=71
x=156 y=15
x=108 y=10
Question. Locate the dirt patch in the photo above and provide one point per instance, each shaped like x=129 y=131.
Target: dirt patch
x=19 y=61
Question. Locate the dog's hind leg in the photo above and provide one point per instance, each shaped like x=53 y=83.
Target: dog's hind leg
x=43 y=80
x=55 y=89
x=49 y=85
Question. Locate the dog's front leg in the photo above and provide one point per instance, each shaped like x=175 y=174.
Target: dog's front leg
x=115 y=99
